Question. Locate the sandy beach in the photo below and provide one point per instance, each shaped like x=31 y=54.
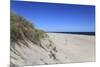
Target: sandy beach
x=75 y=48
x=57 y=48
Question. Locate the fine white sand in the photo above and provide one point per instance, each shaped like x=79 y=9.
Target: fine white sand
x=70 y=48
x=73 y=47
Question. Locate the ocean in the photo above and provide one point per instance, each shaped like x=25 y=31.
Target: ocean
x=81 y=33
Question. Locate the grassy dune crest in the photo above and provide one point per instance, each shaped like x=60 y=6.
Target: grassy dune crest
x=21 y=29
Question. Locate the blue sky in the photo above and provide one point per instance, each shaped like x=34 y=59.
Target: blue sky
x=57 y=17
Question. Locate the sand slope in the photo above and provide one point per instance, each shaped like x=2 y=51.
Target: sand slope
x=55 y=49
x=74 y=48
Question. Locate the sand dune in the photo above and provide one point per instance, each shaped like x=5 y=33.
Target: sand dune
x=75 y=48
x=55 y=49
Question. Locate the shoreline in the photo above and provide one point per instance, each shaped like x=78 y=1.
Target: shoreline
x=76 y=33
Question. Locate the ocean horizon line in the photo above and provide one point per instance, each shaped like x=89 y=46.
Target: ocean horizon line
x=82 y=33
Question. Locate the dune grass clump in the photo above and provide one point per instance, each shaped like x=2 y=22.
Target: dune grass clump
x=21 y=29
x=40 y=33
